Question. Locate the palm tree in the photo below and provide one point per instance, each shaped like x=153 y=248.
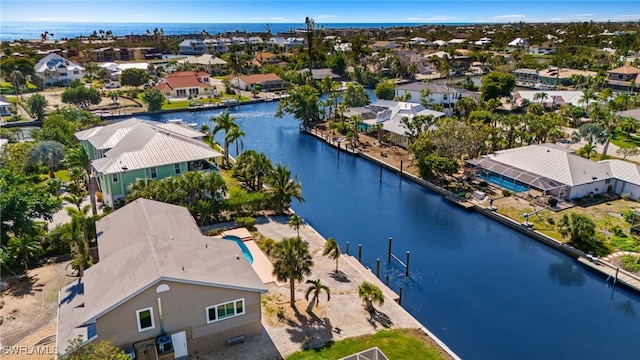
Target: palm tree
x=54 y=186
x=332 y=250
x=74 y=235
x=283 y=187
x=75 y=200
x=79 y=157
x=235 y=135
x=5 y=261
x=17 y=79
x=370 y=294
x=628 y=125
x=49 y=153
x=193 y=183
x=316 y=287
x=225 y=123
x=296 y=222
x=292 y=262
x=24 y=247
x=214 y=184
x=81 y=214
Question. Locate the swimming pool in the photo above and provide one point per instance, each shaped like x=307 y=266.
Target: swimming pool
x=245 y=251
x=504 y=183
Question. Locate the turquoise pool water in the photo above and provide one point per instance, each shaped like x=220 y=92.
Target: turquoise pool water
x=504 y=183
x=245 y=251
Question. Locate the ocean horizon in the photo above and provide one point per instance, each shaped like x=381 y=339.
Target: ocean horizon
x=15 y=30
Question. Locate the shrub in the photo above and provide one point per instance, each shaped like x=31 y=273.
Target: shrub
x=628 y=215
x=248 y=222
x=618 y=231
x=550 y=221
x=625 y=243
x=630 y=262
x=625 y=196
x=266 y=245
x=506 y=193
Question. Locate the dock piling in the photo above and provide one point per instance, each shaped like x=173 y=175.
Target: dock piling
x=378 y=268
x=389 y=253
x=406 y=272
x=400 y=298
x=347 y=248
x=360 y=253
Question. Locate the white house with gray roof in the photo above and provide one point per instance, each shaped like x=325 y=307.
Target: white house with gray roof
x=556 y=171
x=389 y=114
x=134 y=149
x=161 y=288
x=438 y=93
x=54 y=69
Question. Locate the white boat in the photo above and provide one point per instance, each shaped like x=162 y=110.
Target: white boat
x=175 y=121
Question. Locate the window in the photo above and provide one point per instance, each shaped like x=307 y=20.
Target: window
x=224 y=311
x=145 y=319
x=76 y=72
x=115 y=178
x=176 y=167
x=154 y=173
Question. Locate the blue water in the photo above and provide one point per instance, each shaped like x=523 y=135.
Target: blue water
x=487 y=291
x=245 y=251
x=12 y=30
x=504 y=183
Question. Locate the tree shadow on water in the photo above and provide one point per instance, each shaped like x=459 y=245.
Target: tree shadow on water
x=565 y=273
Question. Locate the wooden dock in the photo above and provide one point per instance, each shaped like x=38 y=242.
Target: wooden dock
x=607 y=269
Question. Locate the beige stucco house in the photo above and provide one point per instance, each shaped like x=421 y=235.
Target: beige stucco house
x=161 y=289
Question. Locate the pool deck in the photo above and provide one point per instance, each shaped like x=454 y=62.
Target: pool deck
x=261 y=263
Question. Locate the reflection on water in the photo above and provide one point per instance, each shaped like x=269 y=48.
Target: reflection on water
x=566 y=273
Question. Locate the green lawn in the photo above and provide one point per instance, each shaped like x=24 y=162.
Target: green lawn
x=184 y=104
x=395 y=344
x=63 y=175
x=620 y=139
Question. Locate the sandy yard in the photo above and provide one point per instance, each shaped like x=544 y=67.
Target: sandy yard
x=29 y=310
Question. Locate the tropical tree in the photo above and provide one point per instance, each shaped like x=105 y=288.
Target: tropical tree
x=223 y=122
x=355 y=96
x=37 y=103
x=193 y=183
x=296 y=222
x=78 y=157
x=316 y=287
x=214 y=184
x=542 y=96
x=49 y=153
x=235 y=135
x=283 y=188
x=81 y=96
x=134 y=77
x=303 y=103
x=76 y=236
x=154 y=99
x=592 y=133
x=628 y=125
x=17 y=79
x=496 y=85
x=332 y=250
x=24 y=247
x=78 y=349
x=370 y=293
x=54 y=185
x=580 y=228
x=292 y=262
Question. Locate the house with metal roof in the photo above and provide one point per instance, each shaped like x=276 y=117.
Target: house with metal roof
x=54 y=69
x=210 y=63
x=438 y=93
x=161 y=289
x=390 y=114
x=556 y=171
x=134 y=149
x=267 y=82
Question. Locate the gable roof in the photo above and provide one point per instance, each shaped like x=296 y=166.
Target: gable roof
x=320 y=74
x=53 y=60
x=205 y=59
x=260 y=78
x=390 y=113
x=624 y=171
x=147 y=241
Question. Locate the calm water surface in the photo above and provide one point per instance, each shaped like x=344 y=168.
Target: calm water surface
x=487 y=291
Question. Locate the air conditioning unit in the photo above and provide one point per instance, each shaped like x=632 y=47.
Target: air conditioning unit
x=164 y=344
x=131 y=352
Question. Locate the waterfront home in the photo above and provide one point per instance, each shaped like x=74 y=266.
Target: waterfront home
x=518 y=42
x=548 y=77
x=54 y=69
x=556 y=171
x=319 y=74
x=182 y=84
x=265 y=57
x=554 y=98
x=438 y=93
x=542 y=49
x=161 y=289
x=192 y=47
x=133 y=149
x=216 y=46
x=210 y=63
x=624 y=78
x=383 y=45
x=267 y=82
x=390 y=114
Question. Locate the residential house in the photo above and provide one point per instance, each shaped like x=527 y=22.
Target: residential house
x=483 y=41
x=211 y=63
x=294 y=42
x=438 y=93
x=267 y=82
x=319 y=74
x=5 y=107
x=110 y=54
x=54 y=69
x=456 y=41
x=440 y=43
x=161 y=290
x=133 y=149
x=518 y=42
x=562 y=76
x=116 y=69
x=553 y=99
x=383 y=45
x=542 y=49
x=265 y=57
x=182 y=84
x=624 y=78
x=192 y=47
x=555 y=171
x=390 y=114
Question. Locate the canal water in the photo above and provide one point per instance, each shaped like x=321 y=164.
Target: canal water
x=486 y=290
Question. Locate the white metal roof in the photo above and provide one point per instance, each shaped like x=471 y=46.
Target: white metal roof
x=624 y=171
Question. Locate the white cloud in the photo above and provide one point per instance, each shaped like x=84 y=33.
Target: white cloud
x=441 y=18
x=509 y=17
x=627 y=17
x=326 y=17
x=414 y=19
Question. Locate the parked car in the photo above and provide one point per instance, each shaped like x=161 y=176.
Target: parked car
x=112 y=85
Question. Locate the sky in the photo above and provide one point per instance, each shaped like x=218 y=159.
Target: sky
x=322 y=11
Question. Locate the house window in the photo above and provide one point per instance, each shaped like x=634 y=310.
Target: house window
x=115 y=178
x=225 y=311
x=76 y=72
x=619 y=76
x=63 y=74
x=176 y=167
x=145 y=319
x=154 y=173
